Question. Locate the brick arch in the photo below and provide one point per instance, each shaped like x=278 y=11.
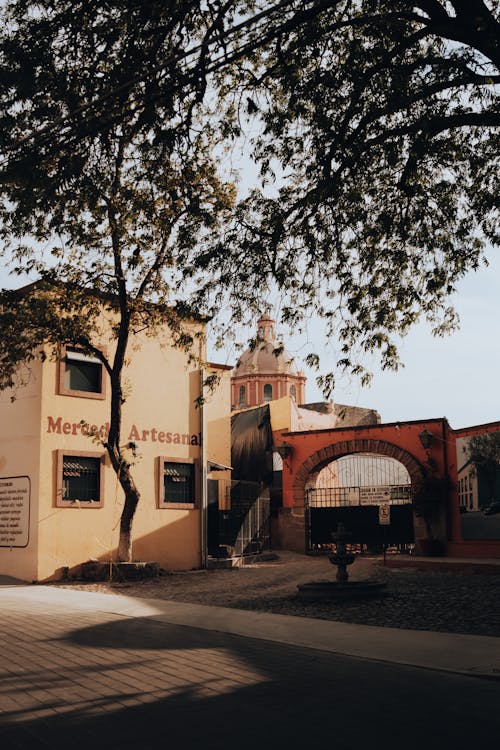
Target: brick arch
x=321 y=458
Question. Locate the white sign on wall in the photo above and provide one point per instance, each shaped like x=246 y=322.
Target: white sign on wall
x=14 y=511
x=384 y=514
x=374 y=495
x=353 y=496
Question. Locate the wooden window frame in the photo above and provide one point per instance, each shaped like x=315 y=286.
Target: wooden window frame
x=63 y=391
x=165 y=504
x=67 y=452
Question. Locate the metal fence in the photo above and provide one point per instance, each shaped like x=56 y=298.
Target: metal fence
x=358 y=509
x=336 y=497
x=239 y=520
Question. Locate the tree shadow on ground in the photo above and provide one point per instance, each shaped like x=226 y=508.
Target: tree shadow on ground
x=214 y=691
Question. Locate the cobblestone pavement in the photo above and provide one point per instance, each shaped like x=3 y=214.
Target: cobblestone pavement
x=454 y=602
x=76 y=675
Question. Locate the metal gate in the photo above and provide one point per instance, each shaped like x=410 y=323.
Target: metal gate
x=239 y=519
x=358 y=509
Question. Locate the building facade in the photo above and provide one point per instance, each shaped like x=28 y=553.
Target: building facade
x=60 y=501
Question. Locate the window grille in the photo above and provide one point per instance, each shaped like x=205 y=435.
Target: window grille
x=81 y=479
x=178 y=483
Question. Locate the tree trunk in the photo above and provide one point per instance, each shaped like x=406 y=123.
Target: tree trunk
x=125 y=545
x=132 y=497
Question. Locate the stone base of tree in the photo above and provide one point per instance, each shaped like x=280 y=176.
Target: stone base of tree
x=93 y=570
x=239 y=561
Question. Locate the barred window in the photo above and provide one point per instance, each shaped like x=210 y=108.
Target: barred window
x=80 y=479
x=178 y=483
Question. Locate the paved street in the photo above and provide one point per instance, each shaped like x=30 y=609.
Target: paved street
x=83 y=670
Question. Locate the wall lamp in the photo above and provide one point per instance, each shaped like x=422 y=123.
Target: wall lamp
x=426 y=437
x=284 y=450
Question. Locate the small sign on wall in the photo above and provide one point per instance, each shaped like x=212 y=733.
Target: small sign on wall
x=14 y=511
x=374 y=495
x=384 y=514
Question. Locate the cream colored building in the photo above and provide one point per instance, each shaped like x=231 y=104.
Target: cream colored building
x=60 y=502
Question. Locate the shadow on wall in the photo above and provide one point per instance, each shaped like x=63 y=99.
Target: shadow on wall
x=175 y=546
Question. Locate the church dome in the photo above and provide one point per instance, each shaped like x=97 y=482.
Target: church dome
x=266 y=372
x=267 y=357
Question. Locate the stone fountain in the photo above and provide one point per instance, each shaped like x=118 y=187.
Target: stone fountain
x=342 y=588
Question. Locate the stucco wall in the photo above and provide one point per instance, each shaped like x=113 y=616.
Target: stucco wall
x=159 y=417
x=20 y=457
x=218 y=420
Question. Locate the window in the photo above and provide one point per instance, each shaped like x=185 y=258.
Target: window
x=80 y=476
x=268 y=392
x=81 y=375
x=293 y=392
x=178 y=483
x=242 y=396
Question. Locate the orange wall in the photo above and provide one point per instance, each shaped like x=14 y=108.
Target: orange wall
x=313 y=449
x=442 y=454
x=402 y=435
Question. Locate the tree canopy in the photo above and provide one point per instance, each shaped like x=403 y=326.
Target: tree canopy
x=107 y=213
x=484 y=452
x=375 y=128
x=379 y=139
x=374 y=124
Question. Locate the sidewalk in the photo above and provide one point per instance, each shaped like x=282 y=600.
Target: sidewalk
x=464 y=654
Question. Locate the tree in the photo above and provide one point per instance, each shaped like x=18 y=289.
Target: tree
x=484 y=452
x=376 y=116
x=380 y=142
x=108 y=220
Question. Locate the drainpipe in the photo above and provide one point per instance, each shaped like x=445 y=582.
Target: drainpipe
x=450 y=507
x=204 y=483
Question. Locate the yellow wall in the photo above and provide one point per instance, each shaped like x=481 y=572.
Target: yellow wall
x=218 y=427
x=160 y=410
x=20 y=457
x=281 y=413
x=218 y=418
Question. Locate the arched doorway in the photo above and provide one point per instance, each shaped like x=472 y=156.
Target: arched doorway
x=349 y=482
x=426 y=448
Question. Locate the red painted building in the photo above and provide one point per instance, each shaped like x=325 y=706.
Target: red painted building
x=432 y=452
x=428 y=450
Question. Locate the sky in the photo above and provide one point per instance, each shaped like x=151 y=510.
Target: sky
x=457 y=377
